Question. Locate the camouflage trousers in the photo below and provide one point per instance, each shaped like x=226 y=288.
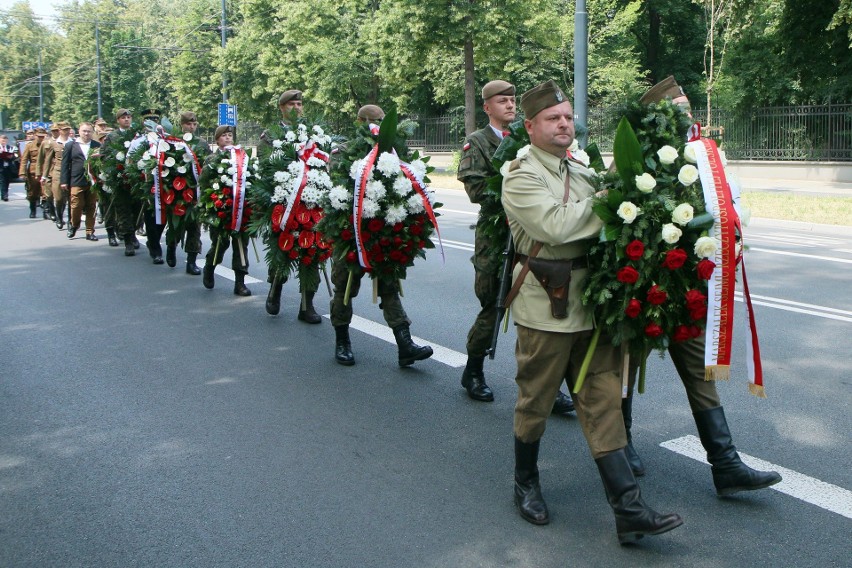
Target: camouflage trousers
x=486 y=285
x=127 y=211
x=191 y=237
x=218 y=247
x=388 y=292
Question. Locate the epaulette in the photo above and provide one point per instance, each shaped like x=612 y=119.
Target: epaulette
x=516 y=164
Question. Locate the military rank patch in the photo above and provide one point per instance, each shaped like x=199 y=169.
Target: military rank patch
x=465 y=163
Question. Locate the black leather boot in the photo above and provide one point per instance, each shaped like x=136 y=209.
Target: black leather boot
x=208 y=279
x=171 y=255
x=563 y=405
x=528 y=497
x=273 y=298
x=113 y=242
x=129 y=248
x=408 y=351
x=730 y=474
x=633 y=518
x=342 y=346
x=45 y=214
x=60 y=216
x=473 y=380
x=240 y=288
x=309 y=314
x=32 y=210
x=51 y=210
x=632 y=455
x=191 y=267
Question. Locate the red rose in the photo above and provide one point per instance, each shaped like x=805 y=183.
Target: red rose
x=628 y=275
x=375 y=225
x=179 y=209
x=634 y=308
x=421 y=244
x=248 y=211
x=385 y=242
x=404 y=259
x=695 y=331
x=306 y=239
x=656 y=295
x=378 y=258
x=221 y=214
x=705 y=269
x=682 y=334
x=653 y=330
x=229 y=202
x=695 y=299
x=188 y=195
x=285 y=241
x=397 y=227
x=179 y=183
x=395 y=255
x=293 y=254
x=397 y=241
x=306 y=260
x=119 y=167
x=214 y=197
x=351 y=256
x=346 y=234
x=416 y=230
x=168 y=197
x=635 y=250
x=226 y=191
x=675 y=259
x=699 y=313
x=218 y=204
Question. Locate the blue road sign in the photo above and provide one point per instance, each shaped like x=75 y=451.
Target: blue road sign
x=227 y=114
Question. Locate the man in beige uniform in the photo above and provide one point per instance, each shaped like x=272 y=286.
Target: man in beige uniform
x=52 y=171
x=47 y=209
x=548 y=202
x=29 y=168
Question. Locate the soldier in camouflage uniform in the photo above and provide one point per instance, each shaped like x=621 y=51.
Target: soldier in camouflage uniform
x=475 y=168
x=124 y=205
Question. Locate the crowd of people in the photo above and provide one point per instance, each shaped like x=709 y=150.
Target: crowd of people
x=547 y=198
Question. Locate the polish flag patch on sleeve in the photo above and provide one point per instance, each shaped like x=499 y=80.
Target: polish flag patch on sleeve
x=466 y=147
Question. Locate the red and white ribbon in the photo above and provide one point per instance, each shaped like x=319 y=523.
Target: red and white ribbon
x=427 y=205
x=239 y=161
x=722 y=284
x=365 y=169
x=304 y=152
x=694 y=132
x=160 y=157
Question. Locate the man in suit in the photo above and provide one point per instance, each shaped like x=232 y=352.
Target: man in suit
x=75 y=178
x=8 y=157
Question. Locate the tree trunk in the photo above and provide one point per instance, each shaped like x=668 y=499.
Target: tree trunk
x=653 y=42
x=469 y=89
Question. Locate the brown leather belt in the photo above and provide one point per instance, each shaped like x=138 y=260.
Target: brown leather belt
x=579 y=262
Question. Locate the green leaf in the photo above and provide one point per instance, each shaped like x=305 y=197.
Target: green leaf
x=387 y=131
x=627 y=153
x=596 y=161
x=703 y=221
x=610 y=232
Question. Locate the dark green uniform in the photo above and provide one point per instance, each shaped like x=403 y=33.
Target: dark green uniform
x=192 y=240
x=389 y=302
x=474 y=170
x=125 y=208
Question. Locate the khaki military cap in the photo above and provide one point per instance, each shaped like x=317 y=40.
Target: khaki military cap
x=63 y=125
x=100 y=122
x=222 y=130
x=122 y=112
x=667 y=88
x=40 y=131
x=540 y=97
x=188 y=116
x=498 y=87
x=29 y=131
x=54 y=127
x=371 y=112
x=291 y=95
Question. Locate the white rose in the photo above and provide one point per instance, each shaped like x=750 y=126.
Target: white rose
x=667 y=155
x=646 y=183
x=628 y=211
x=187 y=136
x=120 y=156
x=127 y=144
x=689 y=154
x=220 y=170
x=671 y=234
x=169 y=162
x=216 y=186
x=688 y=174
x=225 y=179
x=705 y=247
x=682 y=214
x=187 y=158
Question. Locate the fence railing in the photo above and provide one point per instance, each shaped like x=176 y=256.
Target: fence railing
x=804 y=133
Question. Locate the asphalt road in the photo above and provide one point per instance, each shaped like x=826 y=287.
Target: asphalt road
x=146 y=421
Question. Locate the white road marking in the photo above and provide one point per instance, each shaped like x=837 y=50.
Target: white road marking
x=227 y=273
x=457 y=245
x=738 y=296
x=445 y=210
x=808 y=489
x=442 y=354
x=813 y=256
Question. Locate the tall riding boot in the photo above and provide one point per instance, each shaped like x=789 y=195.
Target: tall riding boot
x=207 y=279
x=632 y=455
x=45 y=214
x=171 y=254
x=32 y=209
x=273 y=299
x=60 y=216
x=51 y=210
x=408 y=351
x=191 y=267
x=473 y=380
x=129 y=248
x=730 y=474
x=633 y=518
x=342 y=346
x=528 y=497
x=240 y=288
x=113 y=242
x=309 y=314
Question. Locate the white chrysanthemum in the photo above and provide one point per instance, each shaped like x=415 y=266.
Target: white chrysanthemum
x=280 y=195
x=683 y=214
x=315 y=162
x=375 y=190
x=312 y=194
x=628 y=211
x=317 y=130
x=281 y=177
x=705 y=247
x=414 y=204
x=370 y=208
x=120 y=156
x=187 y=136
x=645 y=183
x=418 y=168
x=181 y=169
x=339 y=197
x=169 y=162
x=353 y=171
x=277 y=144
x=388 y=164
x=319 y=178
x=303 y=136
x=396 y=214
x=290 y=136
x=294 y=168
x=127 y=144
x=302 y=127
x=671 y=234
x=402 y=186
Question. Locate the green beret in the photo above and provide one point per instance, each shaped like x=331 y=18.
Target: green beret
x=540 y=97
x=371 y=112
x=667 y=88
x=291 y=95
x=497 y=87
x=222 y=130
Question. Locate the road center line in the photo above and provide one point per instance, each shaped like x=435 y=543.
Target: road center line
x=808 y=489
x=813 y=256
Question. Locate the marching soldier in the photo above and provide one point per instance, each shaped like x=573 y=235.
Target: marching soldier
x=548 y=202
x=124 y=205
x=47 y=208
x=29 y=169
x=475 y=169
x=52 y=171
